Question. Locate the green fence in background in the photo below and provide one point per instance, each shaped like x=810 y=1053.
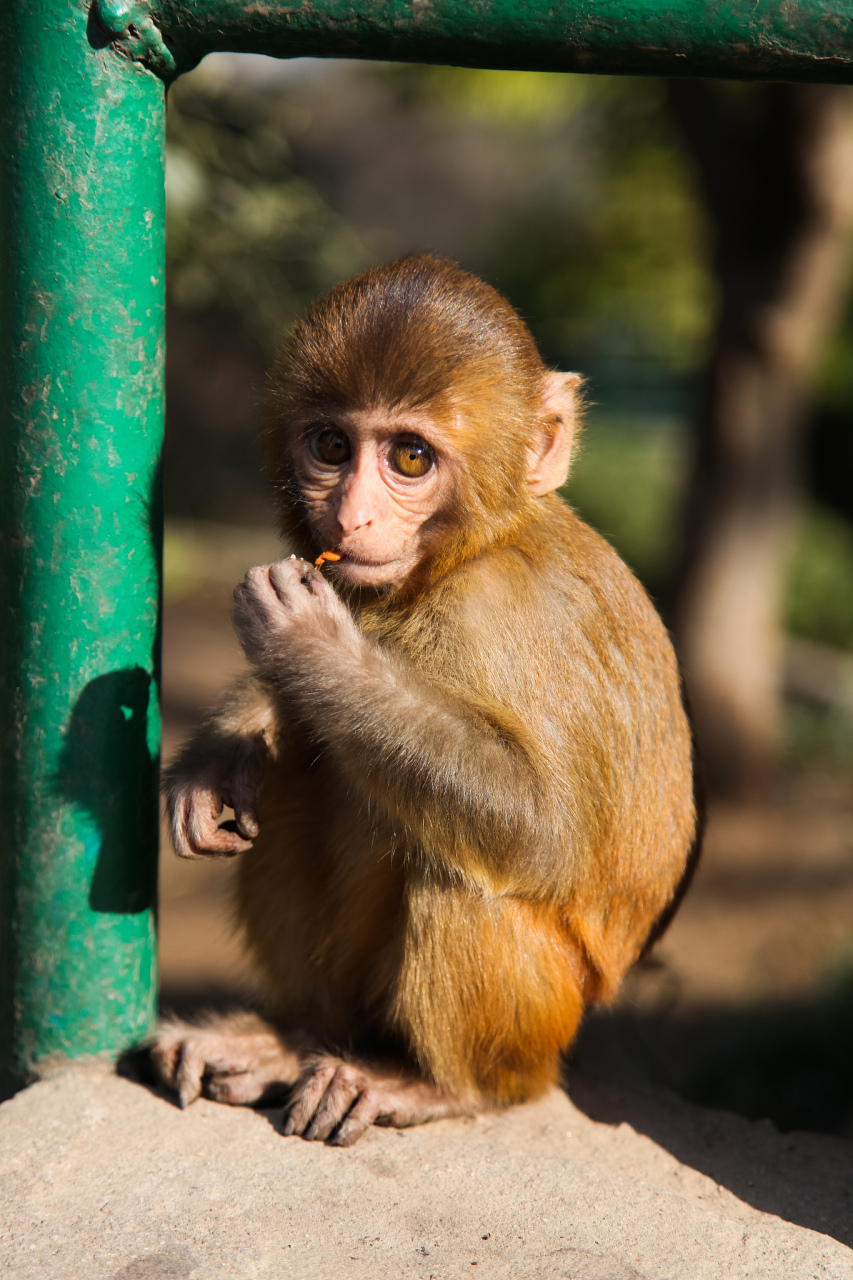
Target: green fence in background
x=82 y=116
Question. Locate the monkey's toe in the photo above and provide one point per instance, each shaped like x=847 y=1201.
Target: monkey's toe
x=237 y=1059
x=247 y=1089
x=236 y=1091
x=308 y=1095
x=345 y=1087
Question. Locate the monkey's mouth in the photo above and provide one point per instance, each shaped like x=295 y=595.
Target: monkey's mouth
x=364 y=562
x=361 y=563
x=363 y=567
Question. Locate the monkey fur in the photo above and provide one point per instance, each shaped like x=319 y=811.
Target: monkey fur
x=465 y=794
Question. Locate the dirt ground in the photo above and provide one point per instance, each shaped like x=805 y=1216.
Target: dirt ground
x=746 y=1004
x=103 y=1180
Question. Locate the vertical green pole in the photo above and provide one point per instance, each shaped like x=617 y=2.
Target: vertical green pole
x=81 y=412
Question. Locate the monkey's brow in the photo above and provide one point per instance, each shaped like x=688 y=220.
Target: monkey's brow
x=317 y=420
x=320 y=422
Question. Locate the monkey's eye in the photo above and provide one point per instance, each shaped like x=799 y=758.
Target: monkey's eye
x=331 y=446
x=412 y=457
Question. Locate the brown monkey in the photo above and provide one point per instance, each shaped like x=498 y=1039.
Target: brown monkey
x=462 y=762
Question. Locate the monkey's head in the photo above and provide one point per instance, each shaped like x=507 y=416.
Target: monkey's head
x=411 y=422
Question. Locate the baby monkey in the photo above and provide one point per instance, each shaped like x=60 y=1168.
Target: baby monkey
x=461 y=769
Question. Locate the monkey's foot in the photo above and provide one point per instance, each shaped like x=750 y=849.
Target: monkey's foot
x=239 y=1059
x=336 y=1101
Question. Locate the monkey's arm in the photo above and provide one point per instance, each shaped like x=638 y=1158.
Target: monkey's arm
x=222 y=765
x=455 y=774
x=458 y=775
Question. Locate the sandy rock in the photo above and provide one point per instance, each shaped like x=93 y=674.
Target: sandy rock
x=103 y=1179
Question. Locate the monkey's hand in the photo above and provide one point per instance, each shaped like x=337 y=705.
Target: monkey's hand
x=288 y=602
x=198 y=792
x=235 y=1058
x=223 y=765
x=336 y=1101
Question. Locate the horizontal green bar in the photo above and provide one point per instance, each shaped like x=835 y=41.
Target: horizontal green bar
x=742 y=39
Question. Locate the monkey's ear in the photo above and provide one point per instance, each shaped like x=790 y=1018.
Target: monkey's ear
x=548 y=460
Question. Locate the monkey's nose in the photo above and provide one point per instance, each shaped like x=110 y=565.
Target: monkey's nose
x=352 y=520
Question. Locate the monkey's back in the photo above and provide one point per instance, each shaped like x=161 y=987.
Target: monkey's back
x=553 y=635
x=624 y=677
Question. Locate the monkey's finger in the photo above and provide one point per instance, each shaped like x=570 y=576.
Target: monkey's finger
x=241 y=797
x=189 y=1073
x=256 y=577
x=207 y=840
x=247 y=1089
x=345 y=1087
x=238 y=840
x=192 y=833
x=254 y=597
x=365 y=1112
x=318 y=586
x=164 y=1057
x=246 y=821
x=245 y=594
x=308 y=1099
x=178 y=823
x=196 y=832
x=288 y=574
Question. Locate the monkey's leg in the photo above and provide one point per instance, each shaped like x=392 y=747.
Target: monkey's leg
x=238 y=1058
x=490 y=992
x=337 y=1101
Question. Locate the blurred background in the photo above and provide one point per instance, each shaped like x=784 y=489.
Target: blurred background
x=688 y=247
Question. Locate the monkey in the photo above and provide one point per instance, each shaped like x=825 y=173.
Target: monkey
x=460 y=767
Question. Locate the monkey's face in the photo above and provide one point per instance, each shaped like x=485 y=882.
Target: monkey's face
x=372 y=480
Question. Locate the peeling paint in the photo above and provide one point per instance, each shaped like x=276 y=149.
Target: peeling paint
x=747 y=39
x=136 y=34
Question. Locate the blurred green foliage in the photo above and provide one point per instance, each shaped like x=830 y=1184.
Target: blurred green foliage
x=820 y=588
x=611 y=269
x=817 y=735
x=245 y=235
x=614 y=269
x=628 y=281
x=627 y=483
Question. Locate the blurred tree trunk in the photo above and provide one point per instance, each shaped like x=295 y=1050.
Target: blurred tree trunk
x=776 y=165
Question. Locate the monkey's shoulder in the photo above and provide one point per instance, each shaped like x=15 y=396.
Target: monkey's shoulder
x=555 y=569
x=598 y=583
x=555 y=606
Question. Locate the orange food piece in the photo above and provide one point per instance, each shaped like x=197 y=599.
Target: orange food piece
x=326 y=555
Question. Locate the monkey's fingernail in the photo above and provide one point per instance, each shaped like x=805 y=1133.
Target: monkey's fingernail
x=288 y=1127
x=310 y=1133
x=184 y=1100
x=292 y=557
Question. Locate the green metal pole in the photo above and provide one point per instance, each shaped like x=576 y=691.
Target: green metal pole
x=746 y=39
x=81 y=398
